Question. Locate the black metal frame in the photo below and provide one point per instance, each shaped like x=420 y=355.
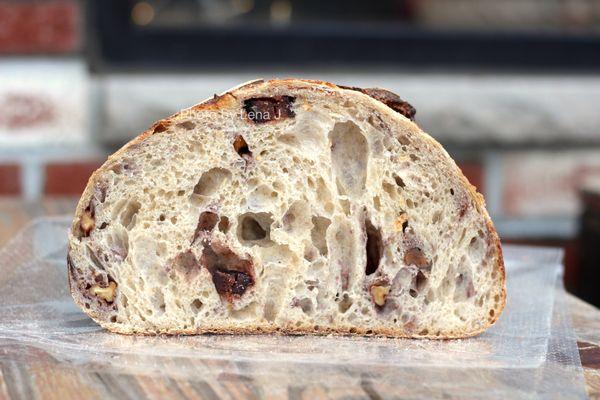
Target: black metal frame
x=116 y=43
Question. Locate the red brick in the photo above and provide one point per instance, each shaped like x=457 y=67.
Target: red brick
x=28 y=27
x=68 y=179
x=10 y=179
x=473 y=170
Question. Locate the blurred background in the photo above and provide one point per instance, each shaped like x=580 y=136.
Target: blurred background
x=511 y=88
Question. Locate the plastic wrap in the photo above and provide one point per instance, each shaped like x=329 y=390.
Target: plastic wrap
x=530 y=351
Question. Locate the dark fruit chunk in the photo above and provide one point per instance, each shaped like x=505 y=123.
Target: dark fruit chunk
x=392 y=100
x=265 y=109
x=233 y=282
x=415 y=256
x=206 y=223
x=241 y=147
x=231 y=274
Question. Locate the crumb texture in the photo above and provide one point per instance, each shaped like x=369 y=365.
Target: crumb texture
x=286 y=206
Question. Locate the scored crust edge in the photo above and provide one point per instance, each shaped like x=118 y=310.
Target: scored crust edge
x=217 y=102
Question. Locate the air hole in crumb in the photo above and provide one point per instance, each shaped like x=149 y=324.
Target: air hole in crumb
x=349 y=158
x=270 y=310
x=196 y=305
x=113 y=319
x=492 y=312
x=318 y=233
x=345 y=206
x=254 y=227
x=420 y=281
x=403 y=140
x=187 y=125
x=377 y=203
x=128 y=213
x=345 y=303
x=251 y=230
x=307 y=306
x=374 y=247
x=211 y=180
x=452 y=191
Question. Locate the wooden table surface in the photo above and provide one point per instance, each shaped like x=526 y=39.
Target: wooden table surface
x=31 y=375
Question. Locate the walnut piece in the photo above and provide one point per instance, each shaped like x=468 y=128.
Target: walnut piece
x=379 y=294
x=106 y=293
x=87 y=223
x=400 y=221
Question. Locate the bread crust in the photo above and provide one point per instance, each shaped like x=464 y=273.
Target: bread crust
x=222 y=101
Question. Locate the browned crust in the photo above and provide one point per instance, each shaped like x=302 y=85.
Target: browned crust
x=271 y=329
x=221 y=101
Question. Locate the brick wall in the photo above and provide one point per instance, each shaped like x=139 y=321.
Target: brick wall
x=43 y=96
x=40 y=27
x=10 y=179
x=68 y=178
x=34 y=178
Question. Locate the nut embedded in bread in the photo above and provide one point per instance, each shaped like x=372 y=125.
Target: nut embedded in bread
x=291 y=206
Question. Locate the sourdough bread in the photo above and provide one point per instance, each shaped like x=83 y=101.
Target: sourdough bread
x=286 y=206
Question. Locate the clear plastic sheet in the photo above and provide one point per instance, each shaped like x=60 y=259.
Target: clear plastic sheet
x=531 y=351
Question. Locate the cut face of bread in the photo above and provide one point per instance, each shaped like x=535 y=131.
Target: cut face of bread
x=291 y=206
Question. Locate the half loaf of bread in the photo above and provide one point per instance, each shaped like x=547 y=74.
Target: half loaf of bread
x=286 y=206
